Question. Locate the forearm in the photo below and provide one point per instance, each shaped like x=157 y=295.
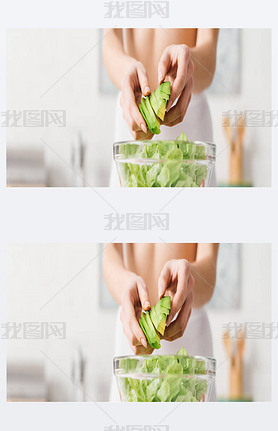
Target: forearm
x=115 y=59
x=204 y=273
x=114 y=270
x=204 y=58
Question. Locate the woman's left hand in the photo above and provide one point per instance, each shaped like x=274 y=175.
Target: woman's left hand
x=177 y=67
x=177 y=281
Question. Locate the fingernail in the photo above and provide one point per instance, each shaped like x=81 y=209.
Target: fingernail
x=143 y=127
x=147 y=89
x=143 y=342
x=160 y=291
x=147 y=304
x=169 y=106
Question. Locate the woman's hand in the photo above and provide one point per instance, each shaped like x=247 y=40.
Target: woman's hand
x=135 y=298
x=134 y=84
x=177 y=67
x=177 y=281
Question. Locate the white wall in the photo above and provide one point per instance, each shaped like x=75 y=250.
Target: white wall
x=255 y=94
x=38 y=58
x=255 y=307
x=35 y=273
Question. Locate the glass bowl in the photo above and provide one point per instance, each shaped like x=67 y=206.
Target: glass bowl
x=164 y=163
x=164 y=378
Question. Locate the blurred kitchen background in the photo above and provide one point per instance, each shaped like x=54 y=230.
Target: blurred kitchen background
x=61 y=321
x=56 y=76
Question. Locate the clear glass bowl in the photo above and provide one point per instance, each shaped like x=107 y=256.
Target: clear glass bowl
x=158 y=378
x=164 y=163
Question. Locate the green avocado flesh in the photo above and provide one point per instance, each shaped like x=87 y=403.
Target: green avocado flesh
x=153 y=107
x=166 y=302
x=149 y=330
x=166 y=87
x=153 y=322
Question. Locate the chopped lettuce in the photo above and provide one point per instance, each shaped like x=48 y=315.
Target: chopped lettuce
x=169 y=164
x=179 y=378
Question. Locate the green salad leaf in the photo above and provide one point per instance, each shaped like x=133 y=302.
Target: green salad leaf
x=179 y=378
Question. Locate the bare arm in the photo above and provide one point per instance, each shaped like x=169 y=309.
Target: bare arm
x=114 y=269
x=189 y=285
x=115 y=59
x=130 y=77
x=190 y=70
x=130 y=291
x=204 y=273
x=204 y=58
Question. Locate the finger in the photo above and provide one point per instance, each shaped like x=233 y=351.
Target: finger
x=143 y=80
x=143 y=294
x=164 y=279
x=178 y=326
x=184 y=73
x=163 y=65
x=139 y=135
x=180 y=118
x=179 y=334
x=134 y=110
x=138 y=335
x=182 y=290
x=177 y=113
x=140 y=350
x=132 y=125
x=131 y=326
x=132 y=340
x=138 y=118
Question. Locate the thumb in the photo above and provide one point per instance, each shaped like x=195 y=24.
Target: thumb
x=143 y=295
x=163 y=66
x=143 y=81
x=163 y=280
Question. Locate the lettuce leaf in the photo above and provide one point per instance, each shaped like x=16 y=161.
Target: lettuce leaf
x=178 y=379
x=171 y=168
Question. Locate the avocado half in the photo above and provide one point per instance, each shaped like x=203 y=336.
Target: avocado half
x=153 y=322
x=153 y=107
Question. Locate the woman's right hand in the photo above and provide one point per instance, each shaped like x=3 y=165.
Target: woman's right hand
x=135 y=299
x=135 y=83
